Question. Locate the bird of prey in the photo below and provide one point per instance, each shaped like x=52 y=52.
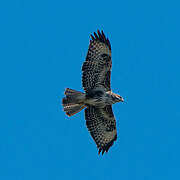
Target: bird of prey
x=98 y=96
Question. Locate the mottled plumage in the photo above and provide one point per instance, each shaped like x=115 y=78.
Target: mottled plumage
x=102 y=126
x=97 y=67
x=98 y=97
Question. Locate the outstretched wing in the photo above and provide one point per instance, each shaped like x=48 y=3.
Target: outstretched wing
x=102 y=126
x=97 y=66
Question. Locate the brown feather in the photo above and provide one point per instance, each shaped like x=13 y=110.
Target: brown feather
x=102 y=126
x=97 y=67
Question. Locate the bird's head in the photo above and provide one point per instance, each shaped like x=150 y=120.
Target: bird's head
x=117 y=98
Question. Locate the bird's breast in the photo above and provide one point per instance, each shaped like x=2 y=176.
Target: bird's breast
x=98 y=98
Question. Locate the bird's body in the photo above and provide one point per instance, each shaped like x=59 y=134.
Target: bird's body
x=101 y=98
x=98 y=97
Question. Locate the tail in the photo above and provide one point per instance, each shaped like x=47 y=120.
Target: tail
x=73 y=102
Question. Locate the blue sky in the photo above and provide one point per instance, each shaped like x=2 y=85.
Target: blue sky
x=43 y=45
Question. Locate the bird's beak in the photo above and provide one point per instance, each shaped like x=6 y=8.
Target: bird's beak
x=122 y=99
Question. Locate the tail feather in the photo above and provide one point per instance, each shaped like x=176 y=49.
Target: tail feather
x=72 y=109
x=73 y=102
x=70 y=92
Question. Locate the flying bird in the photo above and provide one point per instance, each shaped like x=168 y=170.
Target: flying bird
x=98 y=96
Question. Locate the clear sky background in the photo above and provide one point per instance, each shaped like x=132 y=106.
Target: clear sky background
x=42 y=47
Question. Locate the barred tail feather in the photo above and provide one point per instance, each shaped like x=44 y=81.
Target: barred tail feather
x=73 y=109
x=73 y=102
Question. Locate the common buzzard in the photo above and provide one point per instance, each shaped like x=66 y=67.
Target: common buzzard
x=98 y=97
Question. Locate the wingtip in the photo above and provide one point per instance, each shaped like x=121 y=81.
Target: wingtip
x=100 y=36
x=106 y=148
x=101 y=151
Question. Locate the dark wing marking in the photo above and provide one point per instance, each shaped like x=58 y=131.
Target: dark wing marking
x=102 y=126
x=97 y=67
